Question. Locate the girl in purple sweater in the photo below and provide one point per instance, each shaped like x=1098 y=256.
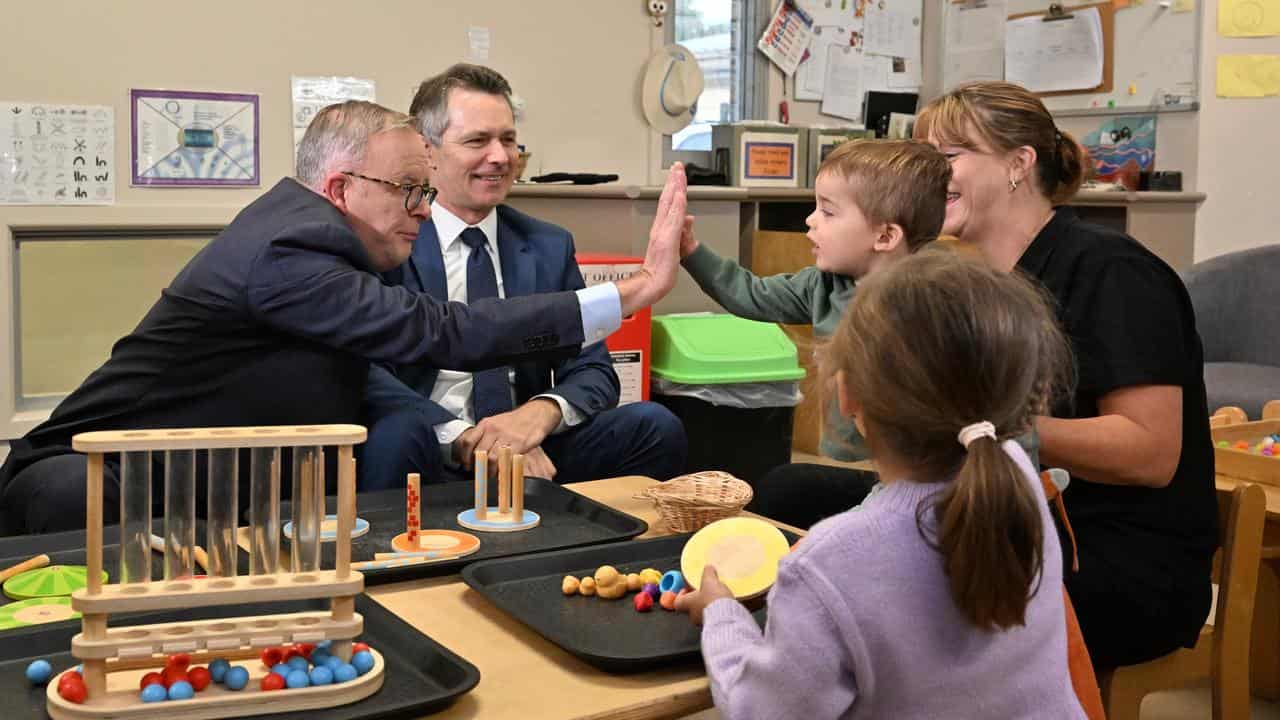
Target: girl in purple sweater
x=941 y=595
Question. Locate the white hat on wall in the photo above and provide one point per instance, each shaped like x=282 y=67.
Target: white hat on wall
x=672 y=84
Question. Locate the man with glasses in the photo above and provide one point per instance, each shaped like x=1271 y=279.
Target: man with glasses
x=562 y=414
x=276 y=320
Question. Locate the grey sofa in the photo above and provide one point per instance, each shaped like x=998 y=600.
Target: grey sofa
x=1237 y=303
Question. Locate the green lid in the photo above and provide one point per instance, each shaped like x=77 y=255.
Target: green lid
x=710 y=349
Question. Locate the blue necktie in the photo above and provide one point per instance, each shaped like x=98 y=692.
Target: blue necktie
x=490 y=389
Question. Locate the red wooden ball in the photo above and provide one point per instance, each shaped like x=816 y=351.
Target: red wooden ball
x=272 y=681
x=199 y=678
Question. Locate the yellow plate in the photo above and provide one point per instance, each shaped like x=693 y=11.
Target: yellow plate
x=745 y=552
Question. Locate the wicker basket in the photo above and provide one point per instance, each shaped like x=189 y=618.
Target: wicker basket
x=691 y=502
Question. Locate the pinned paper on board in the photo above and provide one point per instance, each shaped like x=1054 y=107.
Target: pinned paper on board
x=1248 y=76
x=811 y=75
x=1066 y=54
x=893 y=29
x=843 y=88
x=1248 y=18
x=974 y=42
x=787 y=37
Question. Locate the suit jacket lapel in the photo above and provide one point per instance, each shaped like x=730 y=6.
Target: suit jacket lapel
x=427 y=264
x=519 y=271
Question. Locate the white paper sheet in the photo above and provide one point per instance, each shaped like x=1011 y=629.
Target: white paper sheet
x=843 y=87
x=479 y=40
x=313 y=94
x=811 y=75
x=974 y=41
x=1047 y=56
x=893 y=28
x=53 y=154
x=828 y=12
x=787 y=37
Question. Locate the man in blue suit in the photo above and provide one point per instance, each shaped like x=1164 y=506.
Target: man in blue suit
x=562 y=415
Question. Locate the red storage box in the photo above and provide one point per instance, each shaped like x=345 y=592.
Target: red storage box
x=629 y=345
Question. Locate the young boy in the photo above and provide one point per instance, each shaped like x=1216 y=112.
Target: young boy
x=877 y=201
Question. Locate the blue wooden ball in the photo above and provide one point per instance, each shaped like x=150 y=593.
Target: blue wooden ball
x=297 y=679
x=155 y=692
x=39 y=672
x=180 y=690
x=362 y=661
x=346 y=672
x=282 y=670
x=321 y=676
x=218 y=670
x=333 y=662
x=237 y=678
x=297 y=662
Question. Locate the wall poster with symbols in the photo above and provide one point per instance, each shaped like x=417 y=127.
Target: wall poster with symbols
x=57 y=154
x=194 y=138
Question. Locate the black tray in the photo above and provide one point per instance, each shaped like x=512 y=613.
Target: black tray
x=608 y=634
x=67 y=548
x=421 y=675
x=568 y=520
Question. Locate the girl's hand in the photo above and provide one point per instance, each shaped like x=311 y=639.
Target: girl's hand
x=709 y=590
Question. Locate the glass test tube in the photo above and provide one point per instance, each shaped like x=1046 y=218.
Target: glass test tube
x=308 y=508
x=179 y=513
x=135 y=517
x=224 y=480
x=264 y=511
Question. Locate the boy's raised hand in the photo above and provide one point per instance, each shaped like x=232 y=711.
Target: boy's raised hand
x=709 y=590
x=688 y=243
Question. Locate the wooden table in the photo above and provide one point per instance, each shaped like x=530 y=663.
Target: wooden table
x=522 y=675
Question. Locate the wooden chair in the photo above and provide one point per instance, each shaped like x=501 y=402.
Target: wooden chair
x=1222 y=652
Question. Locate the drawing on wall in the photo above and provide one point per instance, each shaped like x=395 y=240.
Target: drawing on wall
x=54 y=154
x=1122 y=147
x=194 y=138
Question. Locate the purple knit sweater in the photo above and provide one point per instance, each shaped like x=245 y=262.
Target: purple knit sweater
x=862 y=625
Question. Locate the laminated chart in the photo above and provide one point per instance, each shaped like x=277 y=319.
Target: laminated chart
x=194 y=138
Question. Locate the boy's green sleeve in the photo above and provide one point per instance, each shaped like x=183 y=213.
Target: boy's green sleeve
x=784 y=298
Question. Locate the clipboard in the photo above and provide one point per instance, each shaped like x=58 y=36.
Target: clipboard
x=1107 y=16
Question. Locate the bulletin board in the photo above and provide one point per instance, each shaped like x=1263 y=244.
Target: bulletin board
x=1107 y=14
x=1153 y=48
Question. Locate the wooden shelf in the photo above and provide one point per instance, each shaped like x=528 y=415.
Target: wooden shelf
x=216 y=635
x=217 y=591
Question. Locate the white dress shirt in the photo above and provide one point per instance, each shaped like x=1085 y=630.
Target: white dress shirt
x=452 y=390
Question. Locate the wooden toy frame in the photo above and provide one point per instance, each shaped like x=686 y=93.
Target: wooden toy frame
x=105 y=650
x=1231 y=424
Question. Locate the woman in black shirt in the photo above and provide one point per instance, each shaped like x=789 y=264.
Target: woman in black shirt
x=1136 y=436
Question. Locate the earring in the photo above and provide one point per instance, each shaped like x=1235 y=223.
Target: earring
x=1013 y=185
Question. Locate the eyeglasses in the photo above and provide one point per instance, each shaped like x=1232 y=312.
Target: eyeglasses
x=413 y=193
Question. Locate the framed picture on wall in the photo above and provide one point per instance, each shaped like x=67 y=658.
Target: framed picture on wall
x=197 y=139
